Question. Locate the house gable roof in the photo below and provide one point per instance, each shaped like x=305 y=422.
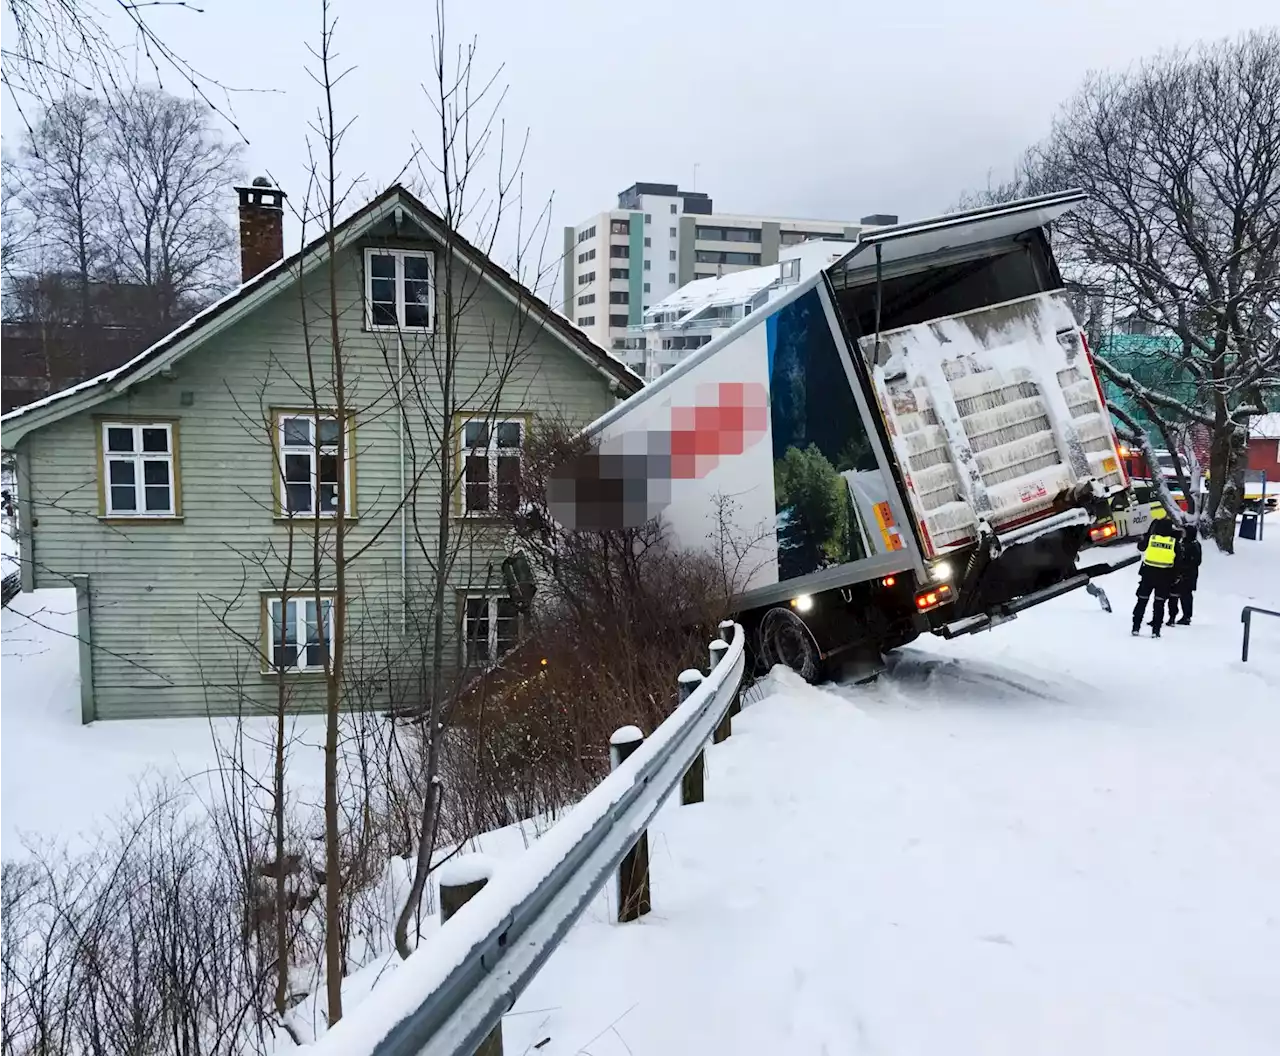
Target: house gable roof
x=263 y=287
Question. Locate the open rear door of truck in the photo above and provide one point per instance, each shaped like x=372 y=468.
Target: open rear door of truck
x=997 y=420
x=890 y=250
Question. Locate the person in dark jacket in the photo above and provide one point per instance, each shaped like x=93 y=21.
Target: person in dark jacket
x=1186 y=576
x=1160 y=547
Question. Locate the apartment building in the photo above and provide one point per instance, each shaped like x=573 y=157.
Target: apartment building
x=659 y=239
x=693 y=315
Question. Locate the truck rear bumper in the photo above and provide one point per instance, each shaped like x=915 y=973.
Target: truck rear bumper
x=1003 y=613
x=1009 y=610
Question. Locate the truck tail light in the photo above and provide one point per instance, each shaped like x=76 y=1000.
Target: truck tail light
x=1099 y=532
x=932 y=597
x=888 y=581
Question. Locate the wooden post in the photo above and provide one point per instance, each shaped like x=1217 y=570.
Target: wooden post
x=693 y=784
x=725 y=729
x=633 y=871
x=460 y=881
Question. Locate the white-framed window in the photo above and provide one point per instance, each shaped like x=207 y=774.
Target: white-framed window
x=491 y=464
x=298 y=632
x=674 y=208
x=673 y=232
x=138 y=473
x=490 y=627
x=399 y=289
x=307 y=454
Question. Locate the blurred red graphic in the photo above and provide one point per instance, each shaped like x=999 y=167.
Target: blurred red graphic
x=729 y=418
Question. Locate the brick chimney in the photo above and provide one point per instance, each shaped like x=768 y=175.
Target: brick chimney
x=261 y=227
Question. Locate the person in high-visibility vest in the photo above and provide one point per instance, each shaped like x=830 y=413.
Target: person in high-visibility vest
x=1160 y=548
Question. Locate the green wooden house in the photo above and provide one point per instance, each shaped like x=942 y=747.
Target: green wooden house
x=183 y=494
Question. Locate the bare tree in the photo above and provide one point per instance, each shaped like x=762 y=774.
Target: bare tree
x=55 y=47
x=470 y=176
x=1180 y=158
x=63 y=186
x=171 y=175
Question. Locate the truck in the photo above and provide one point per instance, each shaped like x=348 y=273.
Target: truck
x=912 y=439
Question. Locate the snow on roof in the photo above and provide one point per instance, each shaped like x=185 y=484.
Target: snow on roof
x=740 y=286
x=1265 y=427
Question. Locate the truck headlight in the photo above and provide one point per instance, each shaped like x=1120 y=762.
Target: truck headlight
x=803 y=603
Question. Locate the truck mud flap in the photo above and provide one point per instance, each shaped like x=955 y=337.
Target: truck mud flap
x=1003 y=613
x=1101 y=568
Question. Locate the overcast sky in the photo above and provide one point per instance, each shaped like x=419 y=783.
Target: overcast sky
x=807 y=108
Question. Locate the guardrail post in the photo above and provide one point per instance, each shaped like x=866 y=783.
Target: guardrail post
x=725 y=729
x=726 y=636
x=460 y=881
x=693 y=784
x=633 y=871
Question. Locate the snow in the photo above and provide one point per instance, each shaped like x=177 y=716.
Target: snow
x=627 y=735
x=99 y=766
x=465 y=870
x=1265 y=427
x=1052 y=838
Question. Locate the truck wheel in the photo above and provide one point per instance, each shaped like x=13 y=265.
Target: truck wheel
x=784 y=639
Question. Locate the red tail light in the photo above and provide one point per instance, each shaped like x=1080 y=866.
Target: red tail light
x=939 y=594
x=1100 y=532
x=888 y=581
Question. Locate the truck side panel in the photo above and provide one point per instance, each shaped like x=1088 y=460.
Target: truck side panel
x=753 y=451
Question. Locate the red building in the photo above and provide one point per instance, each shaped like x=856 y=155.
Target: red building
x=1264 y=445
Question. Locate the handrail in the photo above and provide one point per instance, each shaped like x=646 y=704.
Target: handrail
x=1246 y=617
x=448 y=995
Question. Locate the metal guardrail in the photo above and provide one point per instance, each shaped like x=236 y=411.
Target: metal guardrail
x=1246 y=617
x=446 y=998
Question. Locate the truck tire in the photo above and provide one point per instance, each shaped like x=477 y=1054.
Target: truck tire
x=785 y=640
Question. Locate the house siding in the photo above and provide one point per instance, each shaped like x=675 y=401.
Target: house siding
x=175 y=606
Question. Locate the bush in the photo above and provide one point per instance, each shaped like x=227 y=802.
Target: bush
x=617 y=616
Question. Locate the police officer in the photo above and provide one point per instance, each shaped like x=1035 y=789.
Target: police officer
x=1160 y=548
x=1188 y=576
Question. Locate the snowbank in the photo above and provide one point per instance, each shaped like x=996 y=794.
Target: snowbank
x=1052 y=838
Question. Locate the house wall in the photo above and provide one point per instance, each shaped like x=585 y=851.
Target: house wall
x=175 y=607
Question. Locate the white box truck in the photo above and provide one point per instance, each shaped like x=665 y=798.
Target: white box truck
x=912 y=439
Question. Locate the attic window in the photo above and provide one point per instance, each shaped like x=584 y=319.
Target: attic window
x=399 y=289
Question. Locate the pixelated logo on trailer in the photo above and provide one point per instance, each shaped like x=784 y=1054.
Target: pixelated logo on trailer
x=627 y=480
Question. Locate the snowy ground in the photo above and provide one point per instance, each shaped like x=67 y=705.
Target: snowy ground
x=60 y=780
x=1051 y=838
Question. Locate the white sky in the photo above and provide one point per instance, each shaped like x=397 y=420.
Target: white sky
x=817 y=108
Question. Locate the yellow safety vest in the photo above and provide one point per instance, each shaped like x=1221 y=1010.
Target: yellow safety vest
x=1160 y=551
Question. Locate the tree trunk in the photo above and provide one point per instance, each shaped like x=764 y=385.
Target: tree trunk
x=1230 y=486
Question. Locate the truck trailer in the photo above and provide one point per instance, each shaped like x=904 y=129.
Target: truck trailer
x=912 y=439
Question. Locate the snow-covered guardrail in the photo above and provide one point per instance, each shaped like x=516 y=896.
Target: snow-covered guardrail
x=447 y=997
